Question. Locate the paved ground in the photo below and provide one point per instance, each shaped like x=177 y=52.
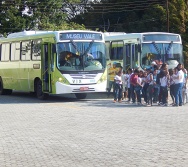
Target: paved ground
x=65 y=132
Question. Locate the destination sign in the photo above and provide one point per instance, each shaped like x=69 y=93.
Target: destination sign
x=80 y=36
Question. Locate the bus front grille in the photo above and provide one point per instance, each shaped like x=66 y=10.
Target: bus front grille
x=83 y=76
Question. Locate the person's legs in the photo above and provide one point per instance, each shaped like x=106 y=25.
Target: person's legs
x=172 y=93
x=145 y=92
x=149 y=94
x=132 y=93
x=180 y=94
x=120 y=93
x=138 y=96
x=110 y=87
x=163 y=96
x=116 y=90
x=176 y=89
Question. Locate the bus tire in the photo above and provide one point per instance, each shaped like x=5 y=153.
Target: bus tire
x=7 y=91
x=40 y=94
x=2 y=91
x=80 y=95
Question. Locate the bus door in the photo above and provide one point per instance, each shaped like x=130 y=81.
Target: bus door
x=45 y=67
x=130 y=58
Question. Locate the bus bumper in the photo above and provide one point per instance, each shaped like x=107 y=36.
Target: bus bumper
x=65 y=89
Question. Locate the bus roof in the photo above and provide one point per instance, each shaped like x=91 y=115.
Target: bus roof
x=32 y=33
x=26 y=33
x=113 y=33
x=29 y=35
x=138 y=36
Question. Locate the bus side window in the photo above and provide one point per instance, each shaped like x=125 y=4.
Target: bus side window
x=15 y=51
x=107 y=50
x=36 y=49
x=26 y=50
x=5 y=52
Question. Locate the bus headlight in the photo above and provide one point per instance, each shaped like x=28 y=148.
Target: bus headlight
x=60 y=79
x=63 y=80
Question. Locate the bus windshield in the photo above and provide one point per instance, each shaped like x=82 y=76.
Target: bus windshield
x=81 y=56
x=170 y=53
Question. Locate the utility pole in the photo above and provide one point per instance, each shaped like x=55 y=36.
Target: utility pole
x=167 y=15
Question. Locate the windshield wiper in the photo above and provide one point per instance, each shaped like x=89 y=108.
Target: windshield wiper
x=75 y=46
x=169 y=47
x=85 y=53
x=89 y=47
x=156 y=48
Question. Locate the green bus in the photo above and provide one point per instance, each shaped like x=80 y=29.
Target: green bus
x=53 y=62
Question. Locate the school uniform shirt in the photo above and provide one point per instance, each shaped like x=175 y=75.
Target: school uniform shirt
x=144 y=81
x=118 y=79
x=149 y=79
x=128 y=81
x=140 y=80
x=125 y=80
x=164 y=81
x=172 y=82
x=181 y=74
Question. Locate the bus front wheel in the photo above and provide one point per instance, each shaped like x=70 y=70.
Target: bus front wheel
x=80 y=95
x=40 y=94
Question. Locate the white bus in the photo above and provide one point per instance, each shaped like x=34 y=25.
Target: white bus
x=53 y=62
x=138 y=50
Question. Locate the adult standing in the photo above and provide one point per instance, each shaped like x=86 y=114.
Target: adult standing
x=118 y=87
x=178 y=78
x=133 y=84
x=112 y=73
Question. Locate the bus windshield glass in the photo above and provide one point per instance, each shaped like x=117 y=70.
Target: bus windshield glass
x=81 y=56
x=170 y=53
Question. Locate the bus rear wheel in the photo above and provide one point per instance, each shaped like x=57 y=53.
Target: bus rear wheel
x=2 y=91
x=40 y=94
x=80 y=95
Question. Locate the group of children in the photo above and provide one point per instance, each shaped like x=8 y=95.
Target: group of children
x=152 y=85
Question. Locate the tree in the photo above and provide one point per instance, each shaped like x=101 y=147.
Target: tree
x=178 y=16
x=19 y=15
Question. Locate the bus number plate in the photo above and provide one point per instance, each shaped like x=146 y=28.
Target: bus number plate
x=84 y=88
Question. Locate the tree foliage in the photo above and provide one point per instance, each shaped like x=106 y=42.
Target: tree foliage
x=104 y=15
x=19 y=15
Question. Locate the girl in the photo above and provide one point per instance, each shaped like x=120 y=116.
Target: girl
x=164 y=77
x=172 y=84
x=118 y=87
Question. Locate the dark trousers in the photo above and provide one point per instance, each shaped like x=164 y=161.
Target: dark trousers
x=132 y=93
x=138 y=90
x=118 y=91
x=172 y=92
x=164 y=94
x=129 y=94
x=144 y=91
